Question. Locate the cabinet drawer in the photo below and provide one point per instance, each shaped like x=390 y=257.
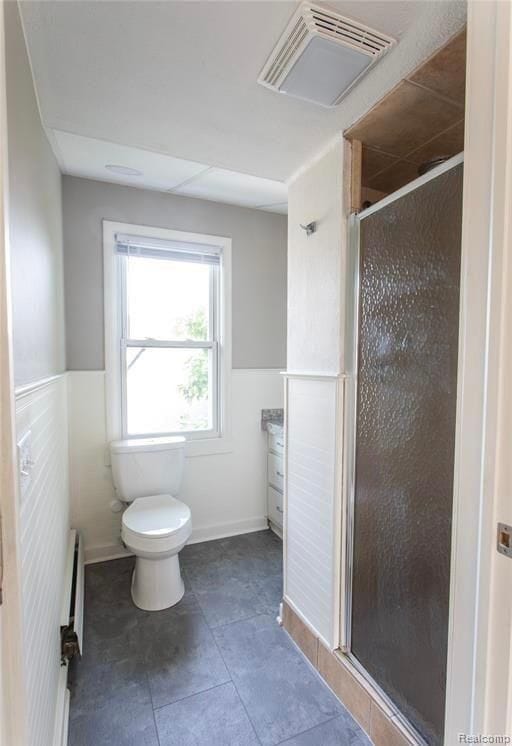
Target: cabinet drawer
x=276 y=443
x=275 y=505
x=275 y=471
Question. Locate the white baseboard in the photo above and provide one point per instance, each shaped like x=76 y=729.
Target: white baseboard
x=60 y=736
x=276 y=529
x=105 y=552
x=206 y=533
x=223 y=530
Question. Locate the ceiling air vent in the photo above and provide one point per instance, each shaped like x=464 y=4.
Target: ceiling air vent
x=321 y=55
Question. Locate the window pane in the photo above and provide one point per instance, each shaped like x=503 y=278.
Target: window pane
x=167 y=299
x=168 y=390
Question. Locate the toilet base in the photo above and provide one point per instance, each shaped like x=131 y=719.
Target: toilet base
x=157 y=583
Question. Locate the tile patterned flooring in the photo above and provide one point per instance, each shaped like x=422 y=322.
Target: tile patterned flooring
x=215 y=670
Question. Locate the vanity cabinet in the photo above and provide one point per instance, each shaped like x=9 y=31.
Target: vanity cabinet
x=275 y=478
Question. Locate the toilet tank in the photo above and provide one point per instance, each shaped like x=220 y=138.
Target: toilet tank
x=147 y=466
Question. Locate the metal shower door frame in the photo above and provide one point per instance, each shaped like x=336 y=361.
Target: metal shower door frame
x=350 y=422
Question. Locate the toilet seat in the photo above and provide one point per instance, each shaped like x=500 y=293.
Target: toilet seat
x=157 y=523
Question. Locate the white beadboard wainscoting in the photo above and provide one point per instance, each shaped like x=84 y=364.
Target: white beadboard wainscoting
x=226 y=492
x=314 y=413
x=44 y=525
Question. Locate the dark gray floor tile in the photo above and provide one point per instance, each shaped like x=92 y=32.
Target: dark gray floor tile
x=223 y=595
x=267 y=540
x=280 y=691
x=270 y=592
x=254 y=565
x=108 y=591
x=239 y=580
x=186 y=605
x=180 y=657
x=213 y=718
x=261 y=546
x=342 y=731
x=99 y=684
x=135 y=660
x=205 y=575
x=260 y=551
x=110 y=635
x=121 y=723
x=112 y=629
x=109 y=582
x=203 y=551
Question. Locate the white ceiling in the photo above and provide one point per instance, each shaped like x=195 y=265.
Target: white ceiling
x=87 y=157
x=171 y=86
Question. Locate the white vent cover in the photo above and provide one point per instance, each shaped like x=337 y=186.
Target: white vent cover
x=321 y=55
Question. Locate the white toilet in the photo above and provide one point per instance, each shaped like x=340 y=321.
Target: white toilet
x=147 y=472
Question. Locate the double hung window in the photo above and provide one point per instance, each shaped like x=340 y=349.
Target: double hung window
x=168 y=333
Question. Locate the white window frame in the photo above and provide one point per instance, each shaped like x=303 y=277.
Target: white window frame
x=199 y=443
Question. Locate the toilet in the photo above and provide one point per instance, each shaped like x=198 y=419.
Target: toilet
x=147 y=474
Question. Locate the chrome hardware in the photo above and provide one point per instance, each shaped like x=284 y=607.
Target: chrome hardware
x=309 y=228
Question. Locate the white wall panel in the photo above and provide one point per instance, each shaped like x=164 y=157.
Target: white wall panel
x=44 y=525
x=311 y=577
x=316 y=265
x=316 y=327
x=226 y=492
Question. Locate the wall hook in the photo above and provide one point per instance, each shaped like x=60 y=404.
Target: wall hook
x=309 y=228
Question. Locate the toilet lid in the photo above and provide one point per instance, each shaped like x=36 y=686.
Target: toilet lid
x=156 y=515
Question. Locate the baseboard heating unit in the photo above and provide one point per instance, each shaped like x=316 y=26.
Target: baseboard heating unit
x=72 y=617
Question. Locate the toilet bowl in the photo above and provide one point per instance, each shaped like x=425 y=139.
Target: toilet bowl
x=147 y=473
x=155 y=529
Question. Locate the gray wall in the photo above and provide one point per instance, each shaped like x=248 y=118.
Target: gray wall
x=35 y=222
x=259 y=266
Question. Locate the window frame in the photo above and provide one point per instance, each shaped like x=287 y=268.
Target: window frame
x=199 y=442
x=211 y=344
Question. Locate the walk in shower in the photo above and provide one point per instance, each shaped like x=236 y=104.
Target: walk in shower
x=406 y=259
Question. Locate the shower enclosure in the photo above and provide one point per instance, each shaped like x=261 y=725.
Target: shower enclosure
x=406 y=261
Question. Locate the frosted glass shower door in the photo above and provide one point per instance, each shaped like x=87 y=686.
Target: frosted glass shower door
x=407 y=338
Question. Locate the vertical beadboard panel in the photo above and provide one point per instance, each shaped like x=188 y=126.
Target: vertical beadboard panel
x=44 y=525
x=311 y=500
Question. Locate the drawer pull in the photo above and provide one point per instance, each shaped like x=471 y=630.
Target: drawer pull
x=281 y=445
x=280 y=474
x=279 y=510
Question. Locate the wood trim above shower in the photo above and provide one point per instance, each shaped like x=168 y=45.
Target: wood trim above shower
x=356 y=173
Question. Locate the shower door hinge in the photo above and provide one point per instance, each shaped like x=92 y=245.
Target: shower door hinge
x=504 y=540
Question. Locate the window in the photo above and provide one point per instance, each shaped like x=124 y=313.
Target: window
x=165 y=311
